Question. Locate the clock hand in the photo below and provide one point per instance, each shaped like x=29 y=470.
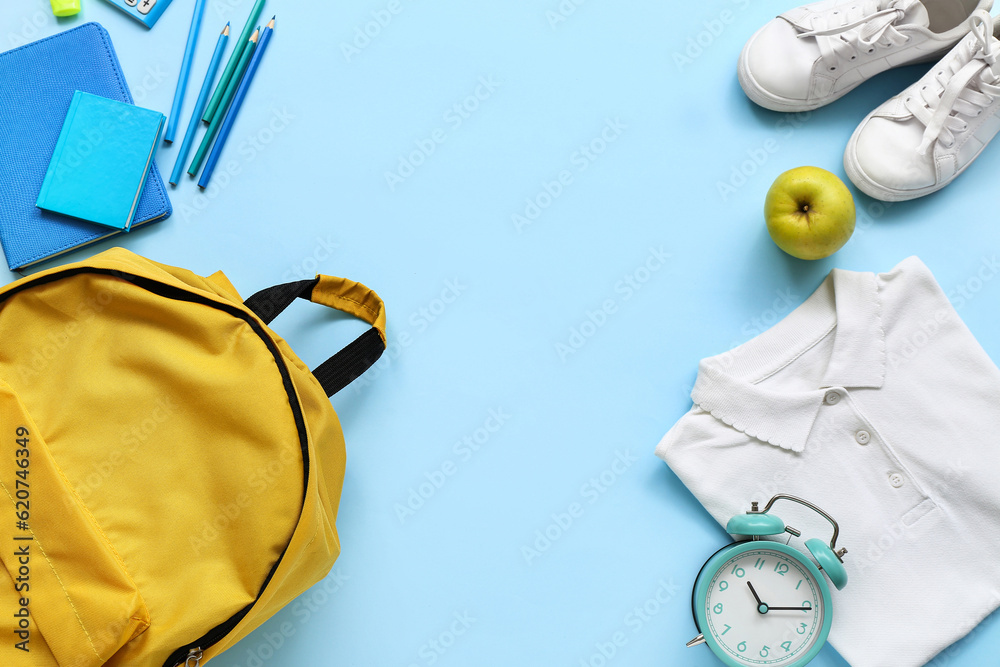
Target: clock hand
x=790 y=608
x=755 y=596
x=761 y=607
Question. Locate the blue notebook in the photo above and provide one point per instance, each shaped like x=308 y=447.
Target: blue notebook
x=37 y=84
x=101 y=160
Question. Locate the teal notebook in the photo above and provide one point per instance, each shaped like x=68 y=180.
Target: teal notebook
x=101 y=160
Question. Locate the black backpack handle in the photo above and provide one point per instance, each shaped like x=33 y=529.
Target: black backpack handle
x=345 y=295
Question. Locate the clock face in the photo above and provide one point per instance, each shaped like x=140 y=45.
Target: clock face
x=764 y=606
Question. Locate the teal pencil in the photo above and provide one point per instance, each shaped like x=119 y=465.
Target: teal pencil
x=234 y=107
x=234 y=60
x=227 y=97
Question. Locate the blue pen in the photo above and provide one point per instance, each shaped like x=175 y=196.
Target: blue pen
x=199 y=106
x=182 y=81
x=241 y=93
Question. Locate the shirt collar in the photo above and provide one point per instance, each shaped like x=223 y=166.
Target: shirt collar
x=847 y=306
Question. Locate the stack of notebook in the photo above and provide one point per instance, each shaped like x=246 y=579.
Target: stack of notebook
x=38 y=83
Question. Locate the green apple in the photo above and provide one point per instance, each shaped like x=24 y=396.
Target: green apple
x=809 y=213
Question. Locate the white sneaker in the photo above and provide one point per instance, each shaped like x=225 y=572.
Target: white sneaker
x=815 y=54
x=922 y=139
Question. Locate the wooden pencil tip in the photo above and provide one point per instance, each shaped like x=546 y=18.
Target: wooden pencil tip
x=225 y=31
x=255 y=35
x=270 y=24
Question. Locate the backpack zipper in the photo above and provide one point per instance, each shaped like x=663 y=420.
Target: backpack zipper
x=184 y=655
x=194 y=655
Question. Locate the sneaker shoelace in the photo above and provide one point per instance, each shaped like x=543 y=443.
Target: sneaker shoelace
x=967 y=85
x=845 y=31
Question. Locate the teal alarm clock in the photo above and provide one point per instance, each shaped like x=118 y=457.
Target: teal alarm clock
x=761 y=603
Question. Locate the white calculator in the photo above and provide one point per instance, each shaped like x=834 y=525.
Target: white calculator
x=143 y=11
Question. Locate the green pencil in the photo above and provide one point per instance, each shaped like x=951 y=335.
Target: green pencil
x=227 y=97
x=234 y=59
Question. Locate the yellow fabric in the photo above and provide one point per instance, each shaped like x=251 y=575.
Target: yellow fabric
x=63 y=572
x=164 y=462
x=353 y=298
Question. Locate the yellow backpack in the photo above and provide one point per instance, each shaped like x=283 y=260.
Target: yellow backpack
x=170 y=469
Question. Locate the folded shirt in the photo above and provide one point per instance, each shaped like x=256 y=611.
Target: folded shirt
x=874 y=401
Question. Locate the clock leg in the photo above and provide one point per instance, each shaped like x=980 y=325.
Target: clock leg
x=700 y=639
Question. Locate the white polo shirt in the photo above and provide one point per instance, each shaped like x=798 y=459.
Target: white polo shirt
x=874 y=401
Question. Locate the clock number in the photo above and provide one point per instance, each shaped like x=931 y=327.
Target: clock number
x=798 y=584
x=723 y=585
x=717 y=608
x=802 y=628
x=739 y=571
x=781 y=568
x=759 y=565
x=807 y=603
x=787 y=646
x=742 y=647
x=726 y=630
x=764 y=651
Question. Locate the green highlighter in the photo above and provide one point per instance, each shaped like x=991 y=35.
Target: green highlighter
x=225 y=99
x=234 y=60
x=63 y=8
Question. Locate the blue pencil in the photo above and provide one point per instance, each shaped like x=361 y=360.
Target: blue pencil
x=182 y=80
x=241 y=93
x=199 y=106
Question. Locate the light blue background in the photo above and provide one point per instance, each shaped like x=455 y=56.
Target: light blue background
x=311 y=195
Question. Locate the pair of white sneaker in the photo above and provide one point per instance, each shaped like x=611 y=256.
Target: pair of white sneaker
x=918 y=141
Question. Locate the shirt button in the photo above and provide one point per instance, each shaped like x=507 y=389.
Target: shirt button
x=896 y=480
x=831 y=398
x=863 y=437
